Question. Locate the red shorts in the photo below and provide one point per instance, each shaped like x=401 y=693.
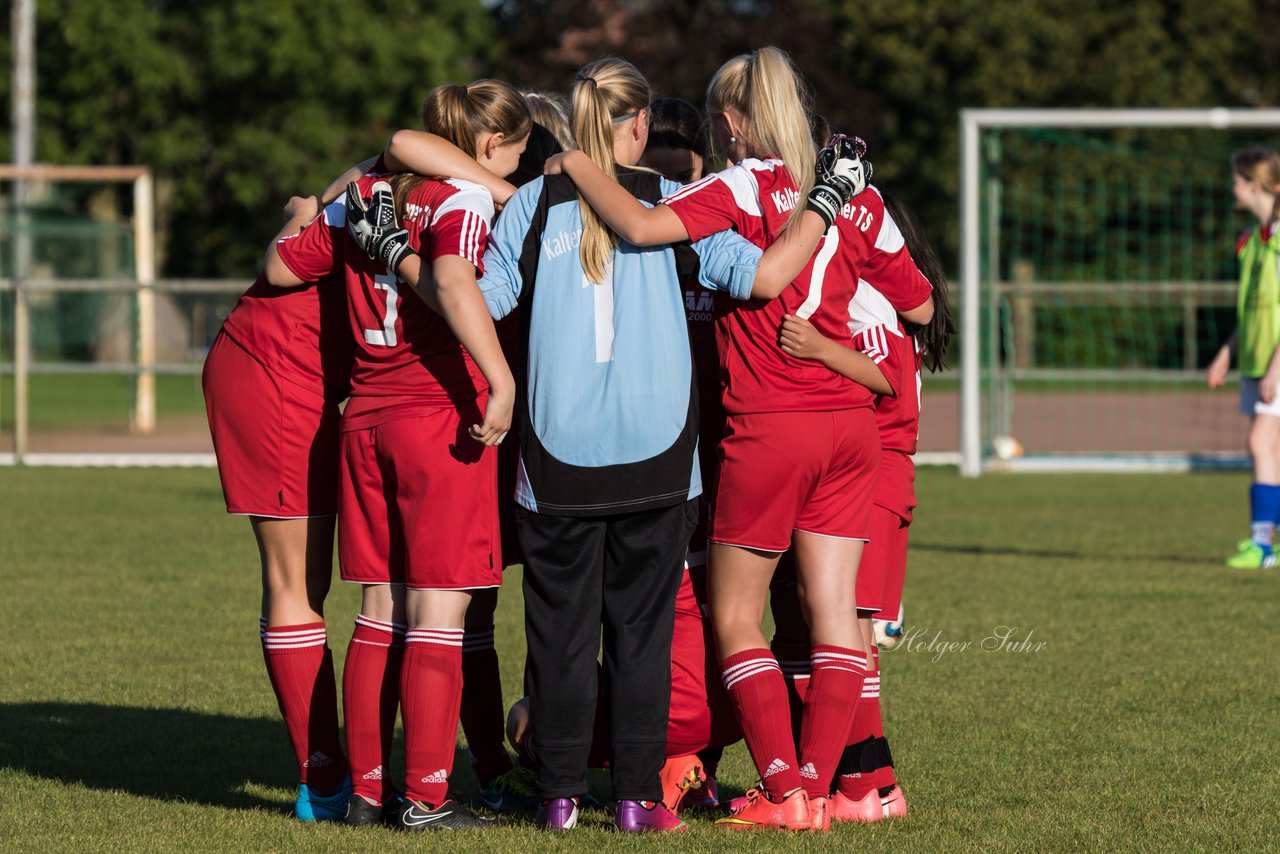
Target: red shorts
x=701 y=713
x=795 y=471
x=884 y=562
x=896 y=487
x=276 y=441
x=891 y=599
x=419 y=505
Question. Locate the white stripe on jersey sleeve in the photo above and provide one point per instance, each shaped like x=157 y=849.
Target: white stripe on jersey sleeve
x=741 y=183
x=335 y=213
x=872 y=344
x=469 y=239
x=472 y=197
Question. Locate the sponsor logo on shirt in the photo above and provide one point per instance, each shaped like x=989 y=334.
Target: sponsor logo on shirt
x=784 y=199
x=565 y=241
x=699 y=306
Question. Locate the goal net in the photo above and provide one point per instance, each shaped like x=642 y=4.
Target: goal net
x=1099 y=275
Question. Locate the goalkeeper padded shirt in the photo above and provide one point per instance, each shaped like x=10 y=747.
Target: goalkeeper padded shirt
x=1258 y=303
x=609 y=410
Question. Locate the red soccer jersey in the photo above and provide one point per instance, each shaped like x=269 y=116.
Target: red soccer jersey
x=299 y=334
x=756 y=198
x=879 y=334
x=407 y=360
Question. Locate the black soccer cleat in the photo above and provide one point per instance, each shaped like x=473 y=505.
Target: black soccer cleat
x=419 y=815
x=361 y=813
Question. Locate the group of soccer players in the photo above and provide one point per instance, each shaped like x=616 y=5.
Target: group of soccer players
x=579 y=331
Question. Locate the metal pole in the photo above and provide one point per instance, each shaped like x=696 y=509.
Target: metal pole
x=144 y=265
x=22 y=117
x=21 y=370
x=970 y=317
x=23 y=105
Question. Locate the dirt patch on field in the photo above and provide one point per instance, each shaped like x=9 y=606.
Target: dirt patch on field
x=1083 y=422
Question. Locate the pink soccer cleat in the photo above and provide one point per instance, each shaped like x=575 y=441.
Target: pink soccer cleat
x=820 y=814
x=871 y=807
x=646 y=817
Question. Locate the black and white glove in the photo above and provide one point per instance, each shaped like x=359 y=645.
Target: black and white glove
x=840 y=174
x=374 y=228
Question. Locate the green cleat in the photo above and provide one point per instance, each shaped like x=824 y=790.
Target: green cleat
x=1249 y=555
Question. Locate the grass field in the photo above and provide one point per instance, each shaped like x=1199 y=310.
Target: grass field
x=95 y=400
x=135 y=714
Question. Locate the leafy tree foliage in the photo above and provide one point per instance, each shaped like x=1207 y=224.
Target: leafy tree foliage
x=237 y=104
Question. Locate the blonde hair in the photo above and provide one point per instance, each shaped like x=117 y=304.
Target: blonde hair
x=765 y=88
x=602 y=91
x=460 y=113
x=1261 y=165
x=552 y=112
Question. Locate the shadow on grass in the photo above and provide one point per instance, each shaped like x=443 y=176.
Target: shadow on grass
x=1058 y=554
x=167 y=754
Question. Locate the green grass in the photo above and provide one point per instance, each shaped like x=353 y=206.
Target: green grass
x=95 y=400
x=134 y=714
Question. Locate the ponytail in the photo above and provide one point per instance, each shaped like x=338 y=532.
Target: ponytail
x=460 y=113
x=602 y=91
x=765 y=88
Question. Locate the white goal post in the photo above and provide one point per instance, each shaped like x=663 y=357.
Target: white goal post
x=974 y=457
x=143 y=417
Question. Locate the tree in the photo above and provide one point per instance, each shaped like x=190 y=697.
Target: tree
x=237 y=104
x=925 y=61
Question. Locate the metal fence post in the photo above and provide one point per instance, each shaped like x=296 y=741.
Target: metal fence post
x=144 y=408
x=21 y=369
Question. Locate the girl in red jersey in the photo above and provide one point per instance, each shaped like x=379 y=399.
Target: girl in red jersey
x=419 y=512
x=798 y=439
x=272 y=383
x=865 y=786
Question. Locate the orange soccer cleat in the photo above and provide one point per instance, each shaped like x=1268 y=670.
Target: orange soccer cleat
x=761 y=812
x=679 y=775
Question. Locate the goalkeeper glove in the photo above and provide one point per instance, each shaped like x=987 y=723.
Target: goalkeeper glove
x=840 y=174
x=374 y=228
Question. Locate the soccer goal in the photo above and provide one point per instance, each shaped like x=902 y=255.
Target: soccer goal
x=99 y=361
x=1098 y=279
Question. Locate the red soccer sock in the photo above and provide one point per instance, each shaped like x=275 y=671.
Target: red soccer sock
x=869 y=706
x=793 y=658
x=301 y=670
x=829 y=709
x=754 y=681
x=481 y=711
x=866 y=723
x=430 y=694
x=370 y=698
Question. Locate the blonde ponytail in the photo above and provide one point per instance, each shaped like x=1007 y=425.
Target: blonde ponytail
x=602 y=91
x=461 y=113
x=765 y=88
